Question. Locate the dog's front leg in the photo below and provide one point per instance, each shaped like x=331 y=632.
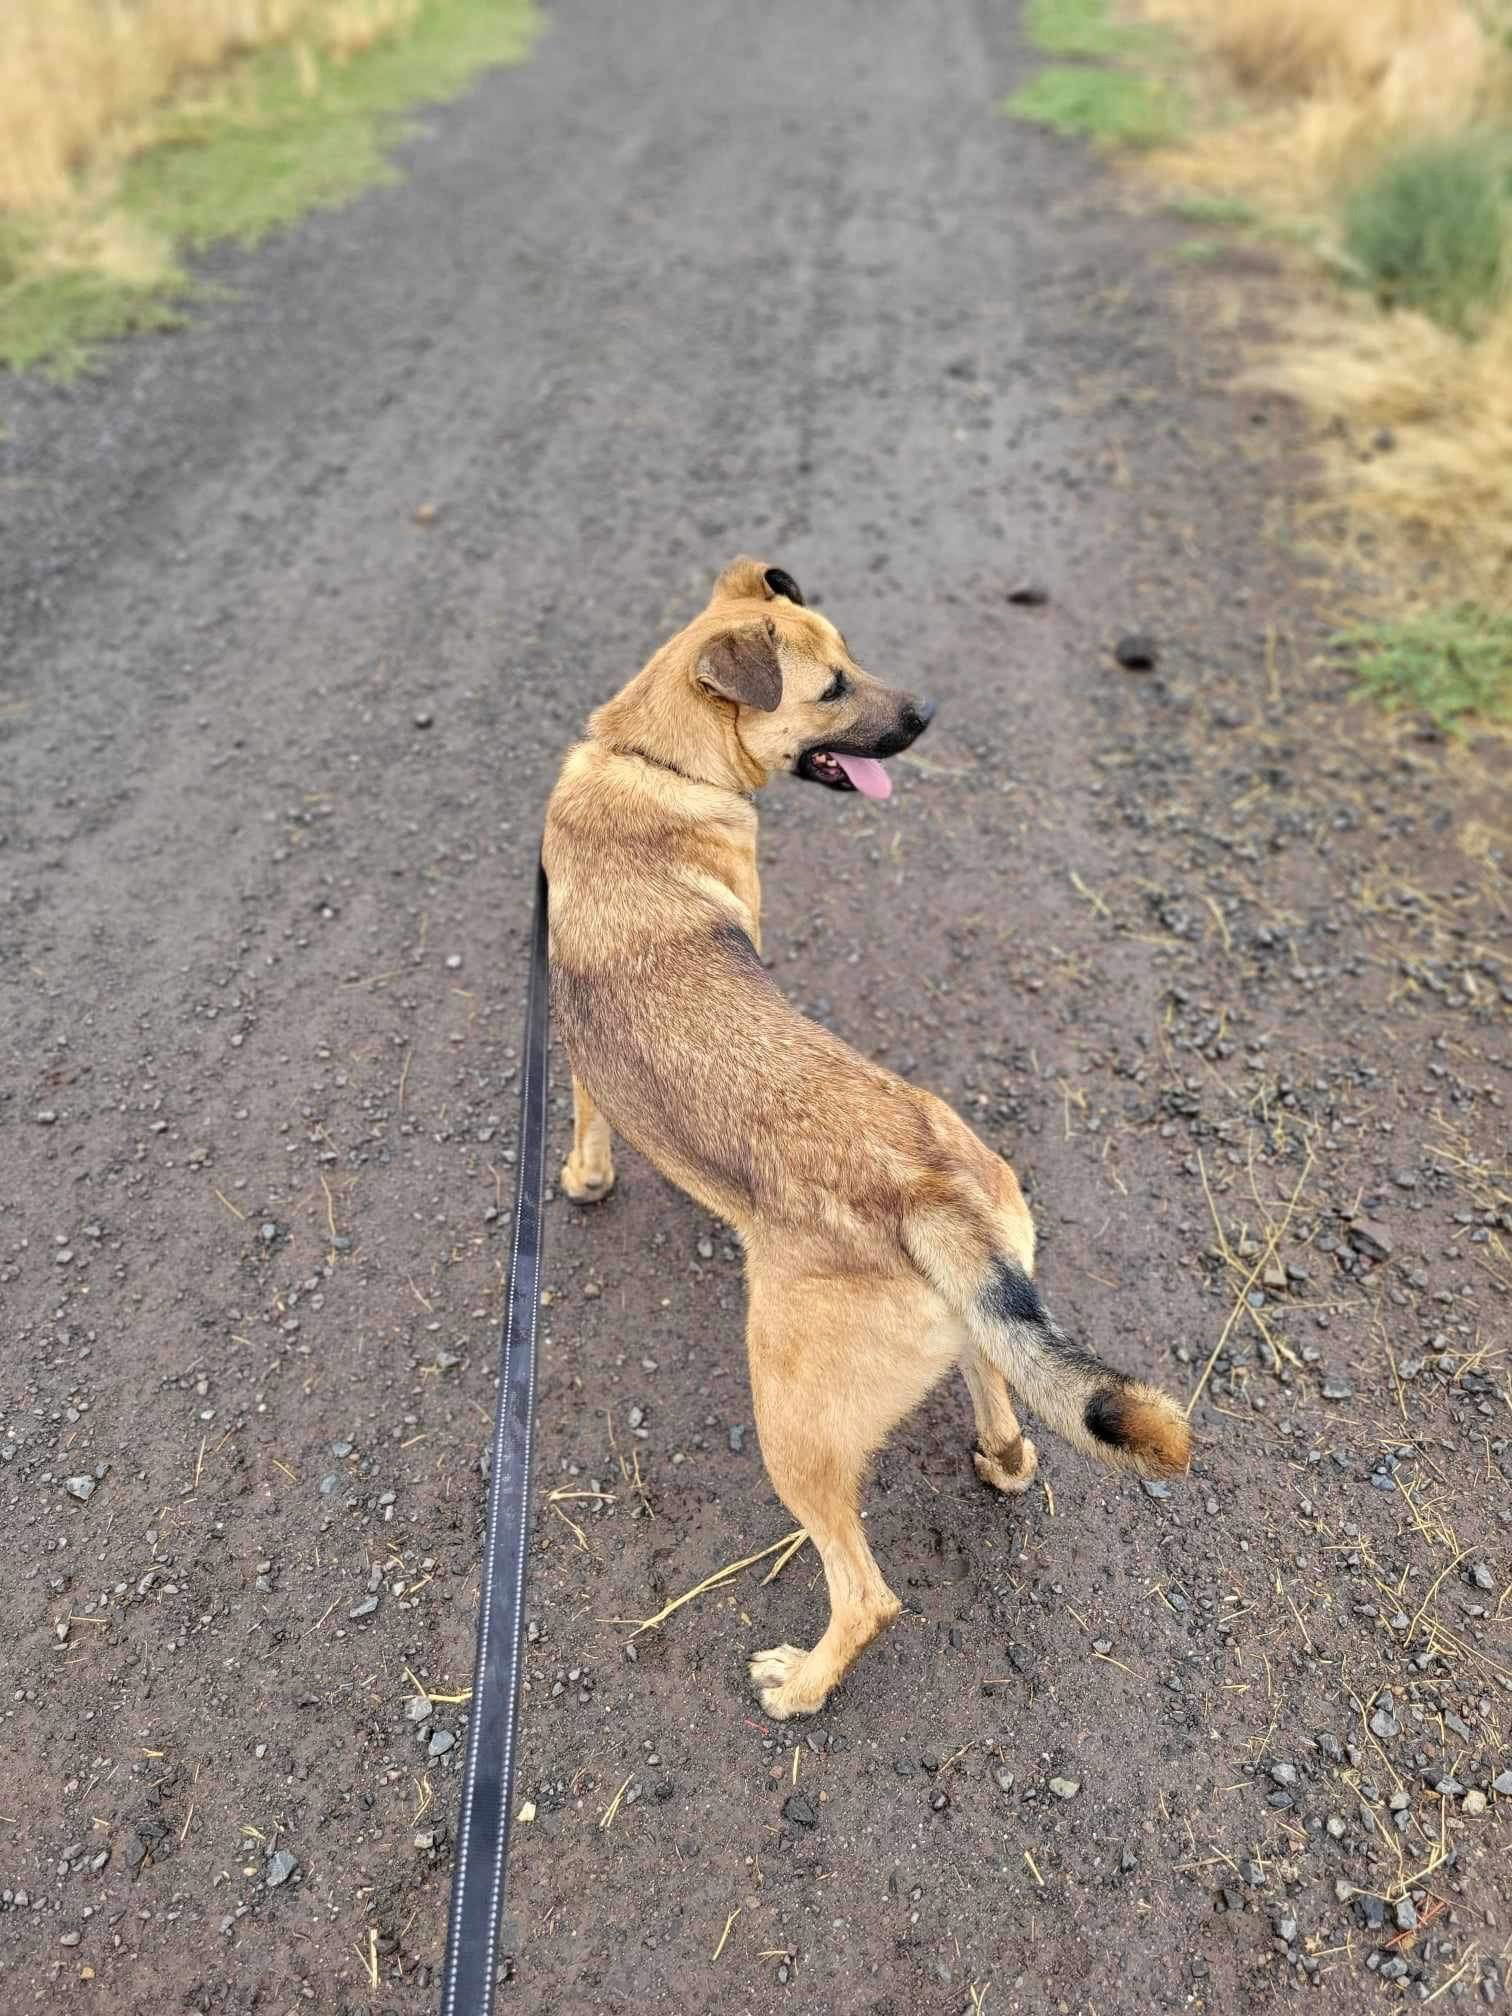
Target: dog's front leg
x=588 y=1172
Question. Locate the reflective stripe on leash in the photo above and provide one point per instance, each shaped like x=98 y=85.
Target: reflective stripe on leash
x=486 y=1813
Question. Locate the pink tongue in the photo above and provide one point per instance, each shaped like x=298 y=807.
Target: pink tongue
x=867 y=774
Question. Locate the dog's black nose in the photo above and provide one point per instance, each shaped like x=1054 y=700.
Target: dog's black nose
x=917 y=716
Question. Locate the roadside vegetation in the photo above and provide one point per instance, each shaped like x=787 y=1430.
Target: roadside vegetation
x=1447 y=663
x=1117 y=87
x=133 y=132
x=1370 y=141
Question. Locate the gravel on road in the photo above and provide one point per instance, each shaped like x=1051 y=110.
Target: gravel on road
x=298 y=608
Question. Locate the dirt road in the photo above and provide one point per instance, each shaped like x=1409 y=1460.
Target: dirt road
x=300 y=607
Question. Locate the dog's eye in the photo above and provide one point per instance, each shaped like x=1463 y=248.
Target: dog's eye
x=837 y=688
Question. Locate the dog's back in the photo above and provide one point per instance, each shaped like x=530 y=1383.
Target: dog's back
x=689 y=1048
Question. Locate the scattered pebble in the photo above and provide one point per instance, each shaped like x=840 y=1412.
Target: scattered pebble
x=1065 y=1788
x=1371 y=1239
x=1137 y=652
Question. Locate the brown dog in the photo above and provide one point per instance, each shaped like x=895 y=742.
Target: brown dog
x=884 y=1242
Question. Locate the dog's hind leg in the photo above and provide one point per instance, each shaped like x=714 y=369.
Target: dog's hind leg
x=835 y=1365
x=588 y=1172
x=1004 y=1456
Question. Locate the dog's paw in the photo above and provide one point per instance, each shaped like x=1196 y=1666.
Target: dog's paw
x=586 y=1186
x=1010 y=1482
x=774 y=1675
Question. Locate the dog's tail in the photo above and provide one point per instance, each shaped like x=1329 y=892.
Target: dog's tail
x=1121 y=1421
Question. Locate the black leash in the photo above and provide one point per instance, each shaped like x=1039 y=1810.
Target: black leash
x=482 y=1858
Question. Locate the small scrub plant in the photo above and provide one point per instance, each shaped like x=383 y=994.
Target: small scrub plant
x=1447 y=663
x=1428 y=229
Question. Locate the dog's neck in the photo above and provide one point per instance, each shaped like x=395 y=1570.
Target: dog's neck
x=662 y=718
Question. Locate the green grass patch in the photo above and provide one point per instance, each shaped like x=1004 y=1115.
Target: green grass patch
x=1200 y=251
x=1215 y=210
x=270 y=147
x=60 y=319
x=1121 y=106
x=1429 y=229
x=1448 y=663
x=1117 y=107
x=1242 y=222
x=1084 y=28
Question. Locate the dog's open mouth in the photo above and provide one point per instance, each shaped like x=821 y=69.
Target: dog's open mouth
x=845 y=773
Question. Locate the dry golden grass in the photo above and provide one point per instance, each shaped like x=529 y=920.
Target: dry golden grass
x=1326 y=86
x=1445 y=486
x=135 y=132
x=84 y=83
x=1319 y=48
x=1307 y=98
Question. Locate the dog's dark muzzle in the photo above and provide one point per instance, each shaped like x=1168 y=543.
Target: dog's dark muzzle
x=825 y=762
x=906 y=730
x=915 y=717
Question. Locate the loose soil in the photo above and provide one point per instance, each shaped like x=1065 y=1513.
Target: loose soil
x=300 y=608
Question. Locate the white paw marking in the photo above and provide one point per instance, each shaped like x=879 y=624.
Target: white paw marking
x=1011 y=1484
x=586 y=1189
x=771 y=1671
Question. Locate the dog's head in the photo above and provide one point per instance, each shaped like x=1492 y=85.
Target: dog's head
x=798 y=700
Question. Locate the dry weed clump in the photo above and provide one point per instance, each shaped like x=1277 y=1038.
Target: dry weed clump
x=1342 y=121
x=1446 y=409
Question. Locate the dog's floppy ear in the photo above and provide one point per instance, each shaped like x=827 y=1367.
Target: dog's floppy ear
x=742 y=666
x=747 y=580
